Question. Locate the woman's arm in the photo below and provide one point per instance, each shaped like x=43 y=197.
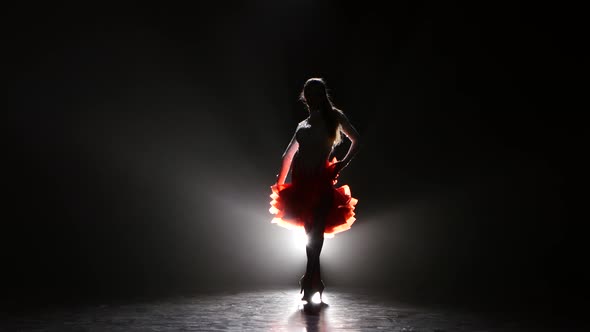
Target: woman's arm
x=354 y=137
x=287 y=159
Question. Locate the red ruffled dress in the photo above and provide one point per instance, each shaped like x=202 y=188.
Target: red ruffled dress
x=295 y=204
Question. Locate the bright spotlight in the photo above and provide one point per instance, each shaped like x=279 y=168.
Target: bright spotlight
x=316 y=298
x=300 y=239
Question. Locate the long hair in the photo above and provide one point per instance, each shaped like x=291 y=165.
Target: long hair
x=315 y=97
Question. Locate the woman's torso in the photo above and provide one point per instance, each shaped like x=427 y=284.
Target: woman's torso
x=315 y=147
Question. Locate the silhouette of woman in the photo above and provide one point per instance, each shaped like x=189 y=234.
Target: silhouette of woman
x=311 y=201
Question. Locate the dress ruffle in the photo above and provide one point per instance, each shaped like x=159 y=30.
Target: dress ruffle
x=294 y=204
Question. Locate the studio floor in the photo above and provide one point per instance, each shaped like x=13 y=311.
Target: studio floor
x=266 y=310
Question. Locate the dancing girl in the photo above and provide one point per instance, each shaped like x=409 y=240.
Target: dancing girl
x=311 y=201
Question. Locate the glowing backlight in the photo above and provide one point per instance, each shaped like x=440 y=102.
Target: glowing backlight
x=300 y=239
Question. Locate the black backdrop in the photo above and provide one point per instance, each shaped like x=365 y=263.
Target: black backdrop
x=143 y=141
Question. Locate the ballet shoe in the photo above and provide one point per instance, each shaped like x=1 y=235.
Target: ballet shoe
x=320 y=288
x=309 y=289
x=306 y=289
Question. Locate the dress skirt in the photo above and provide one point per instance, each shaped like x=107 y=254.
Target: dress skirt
x=311 y=198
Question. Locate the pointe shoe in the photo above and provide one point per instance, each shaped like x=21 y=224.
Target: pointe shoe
x=307 y=296
x=309 y=291
x=306 y=289
x=321 y=289
x=303 y=283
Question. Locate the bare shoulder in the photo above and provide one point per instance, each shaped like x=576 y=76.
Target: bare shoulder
x=341 y=116
x=303 y=124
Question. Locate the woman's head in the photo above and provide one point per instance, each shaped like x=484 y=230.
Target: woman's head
x=315 y=97
x=315 y=94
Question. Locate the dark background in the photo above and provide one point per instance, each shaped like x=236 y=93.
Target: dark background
x=142 y=143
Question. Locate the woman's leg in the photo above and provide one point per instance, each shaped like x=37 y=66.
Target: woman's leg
x=316 y=243
x=312 y=280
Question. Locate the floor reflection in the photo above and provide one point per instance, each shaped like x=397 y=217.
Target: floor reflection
x=310 y=318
